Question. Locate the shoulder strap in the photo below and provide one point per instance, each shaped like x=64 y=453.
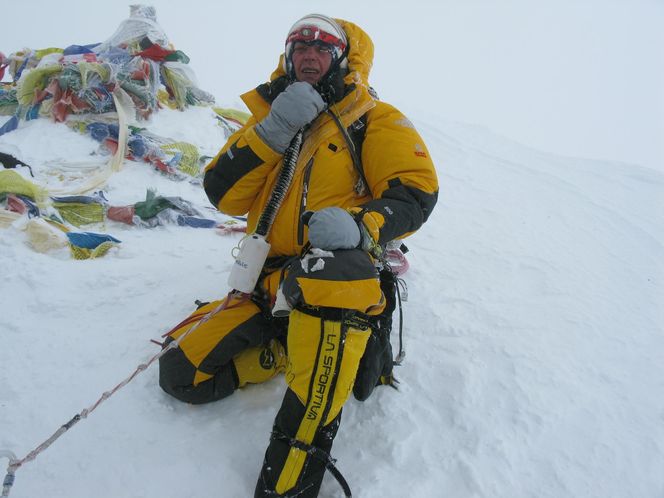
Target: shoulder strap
x=354 y=137
x=356 y=132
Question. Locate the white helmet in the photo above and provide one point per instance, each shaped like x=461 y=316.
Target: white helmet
x=317 y=29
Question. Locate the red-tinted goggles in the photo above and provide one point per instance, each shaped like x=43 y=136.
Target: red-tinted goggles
x=313 y=33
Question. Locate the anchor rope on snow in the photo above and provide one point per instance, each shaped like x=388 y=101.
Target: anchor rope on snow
x=15 y=463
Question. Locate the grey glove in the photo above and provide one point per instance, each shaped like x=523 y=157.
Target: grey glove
x=332 y=228
x=293 y=108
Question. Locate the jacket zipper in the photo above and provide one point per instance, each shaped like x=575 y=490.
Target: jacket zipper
x=303 y=202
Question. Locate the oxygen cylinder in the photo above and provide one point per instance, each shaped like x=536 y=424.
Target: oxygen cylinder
x=249 y=263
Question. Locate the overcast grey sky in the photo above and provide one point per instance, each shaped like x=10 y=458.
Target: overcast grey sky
x=575 y=77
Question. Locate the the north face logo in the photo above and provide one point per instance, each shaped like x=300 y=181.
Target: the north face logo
x=266 y=359
x=419 y=151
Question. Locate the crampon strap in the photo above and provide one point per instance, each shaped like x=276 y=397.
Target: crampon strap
x=319 y=454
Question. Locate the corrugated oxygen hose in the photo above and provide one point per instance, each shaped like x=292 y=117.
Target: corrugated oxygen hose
x=281 y=186
x=254 y=248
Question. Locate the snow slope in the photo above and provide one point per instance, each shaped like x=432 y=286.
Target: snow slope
x=533 y=335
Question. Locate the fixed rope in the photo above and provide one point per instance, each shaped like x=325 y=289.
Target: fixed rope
x=15 y=463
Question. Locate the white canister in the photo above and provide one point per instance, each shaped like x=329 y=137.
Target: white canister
x=249 y=263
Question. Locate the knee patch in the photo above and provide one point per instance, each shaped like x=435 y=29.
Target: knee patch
x=202 y=369
x=179 y=378
x=256 y=365
x=223 y=336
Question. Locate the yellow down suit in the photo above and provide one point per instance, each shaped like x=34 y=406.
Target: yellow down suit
x=334 y=294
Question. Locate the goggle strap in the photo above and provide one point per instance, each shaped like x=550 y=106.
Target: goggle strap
x=313 y=33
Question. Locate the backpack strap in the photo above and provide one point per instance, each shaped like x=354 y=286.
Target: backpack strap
x=354 y=137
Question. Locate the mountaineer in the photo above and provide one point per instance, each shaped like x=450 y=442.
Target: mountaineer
x=362 y=177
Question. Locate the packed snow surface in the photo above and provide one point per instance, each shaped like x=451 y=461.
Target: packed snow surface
x=533 y=332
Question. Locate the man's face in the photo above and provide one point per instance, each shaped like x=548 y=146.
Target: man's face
x=311 y=62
